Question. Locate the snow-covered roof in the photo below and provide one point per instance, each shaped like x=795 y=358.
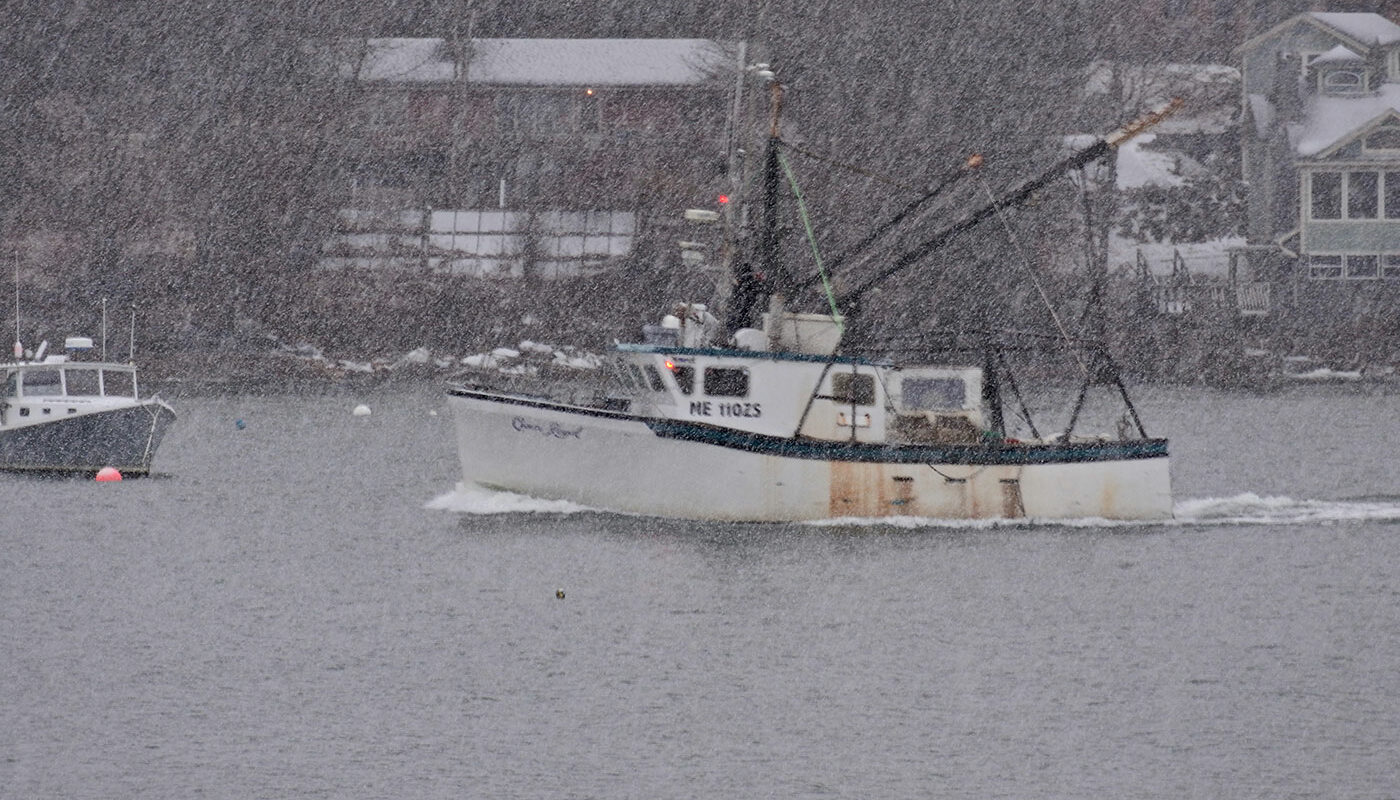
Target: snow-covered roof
x=1210 y=92
x=595 y=62
x=1138 y=167
x=405 y=61
x=1331 y=121
x=1367 y=28
x=1363 y=30
x=1201 y=258
x=1339 y=54
x=544 y=62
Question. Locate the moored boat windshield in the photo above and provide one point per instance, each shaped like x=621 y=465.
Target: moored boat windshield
x=70 y=381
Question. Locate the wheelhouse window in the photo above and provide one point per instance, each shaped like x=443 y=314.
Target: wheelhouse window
x=83 y=382
x=42 y=382
x=1363 y=266
x=118 y=383
x=1390 y=265
x=726 y=382
x=934 y=394
x=1362 y=195
x=854 y=388
x=1324 y=267
x=654 y=378
x=685 y=378
x=1326 y=191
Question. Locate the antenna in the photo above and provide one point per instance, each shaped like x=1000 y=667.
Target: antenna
x=131 y=343
x=104 y=329
x=19 y=348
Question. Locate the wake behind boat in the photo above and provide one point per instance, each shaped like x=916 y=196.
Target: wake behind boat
x=773 y=422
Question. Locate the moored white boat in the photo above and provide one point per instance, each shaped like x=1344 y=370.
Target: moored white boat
x=62 y=414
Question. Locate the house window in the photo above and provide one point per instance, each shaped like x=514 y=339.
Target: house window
x=1326 y=190
x=1390 y=265
x=720 y=382
x=1392 y=195
x=1387 y=138
x=1324 y=267
x=1344 y=82
x=1362 y=195
x=1363 y=266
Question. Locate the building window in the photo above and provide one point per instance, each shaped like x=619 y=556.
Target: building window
x=1344 y=82
x=1386 y=139
x=1326 y=191
x=1363 y=266
x=1392 y=195
x=1362 y=198
x=721 y=382
x=1390 y=265
x=1324 y=267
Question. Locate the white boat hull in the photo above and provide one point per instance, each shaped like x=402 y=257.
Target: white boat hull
x=618 y=462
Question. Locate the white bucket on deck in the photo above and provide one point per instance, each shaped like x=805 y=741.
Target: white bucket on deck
x=815 y=334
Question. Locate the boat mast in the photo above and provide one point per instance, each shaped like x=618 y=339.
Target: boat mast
x=19 y=348
x=762 y=274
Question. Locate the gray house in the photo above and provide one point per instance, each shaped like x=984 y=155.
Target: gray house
x=1321 y=157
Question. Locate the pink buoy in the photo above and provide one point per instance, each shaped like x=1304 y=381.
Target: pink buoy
x=109 y=474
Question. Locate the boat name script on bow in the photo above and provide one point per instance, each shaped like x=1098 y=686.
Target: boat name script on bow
x=553 y=430
x=706 y=408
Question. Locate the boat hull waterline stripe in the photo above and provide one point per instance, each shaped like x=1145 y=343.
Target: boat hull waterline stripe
x=959 y=454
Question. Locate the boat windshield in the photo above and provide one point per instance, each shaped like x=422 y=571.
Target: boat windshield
x=82 y=382
x=42 y=382
x=118 y=383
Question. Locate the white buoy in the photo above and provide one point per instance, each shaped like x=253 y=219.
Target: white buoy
x=361 y=410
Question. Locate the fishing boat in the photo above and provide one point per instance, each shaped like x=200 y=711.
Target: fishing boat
x=62 y=413
x=766 y=417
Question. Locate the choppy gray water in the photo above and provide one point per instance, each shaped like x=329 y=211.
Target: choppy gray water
x=306 y=608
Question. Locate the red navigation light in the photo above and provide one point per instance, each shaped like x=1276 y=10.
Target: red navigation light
x=671 y=365
x=723 y=199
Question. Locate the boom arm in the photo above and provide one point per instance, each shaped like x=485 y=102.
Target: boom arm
x=1011 y=199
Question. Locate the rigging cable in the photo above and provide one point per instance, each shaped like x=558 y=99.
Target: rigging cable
x=849 y=167
x=812 y=240
x=1026 y=264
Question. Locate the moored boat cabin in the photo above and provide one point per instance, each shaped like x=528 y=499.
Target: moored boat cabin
x=57 y=387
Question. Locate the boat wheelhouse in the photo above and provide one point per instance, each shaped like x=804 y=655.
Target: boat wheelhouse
x=63 y=415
